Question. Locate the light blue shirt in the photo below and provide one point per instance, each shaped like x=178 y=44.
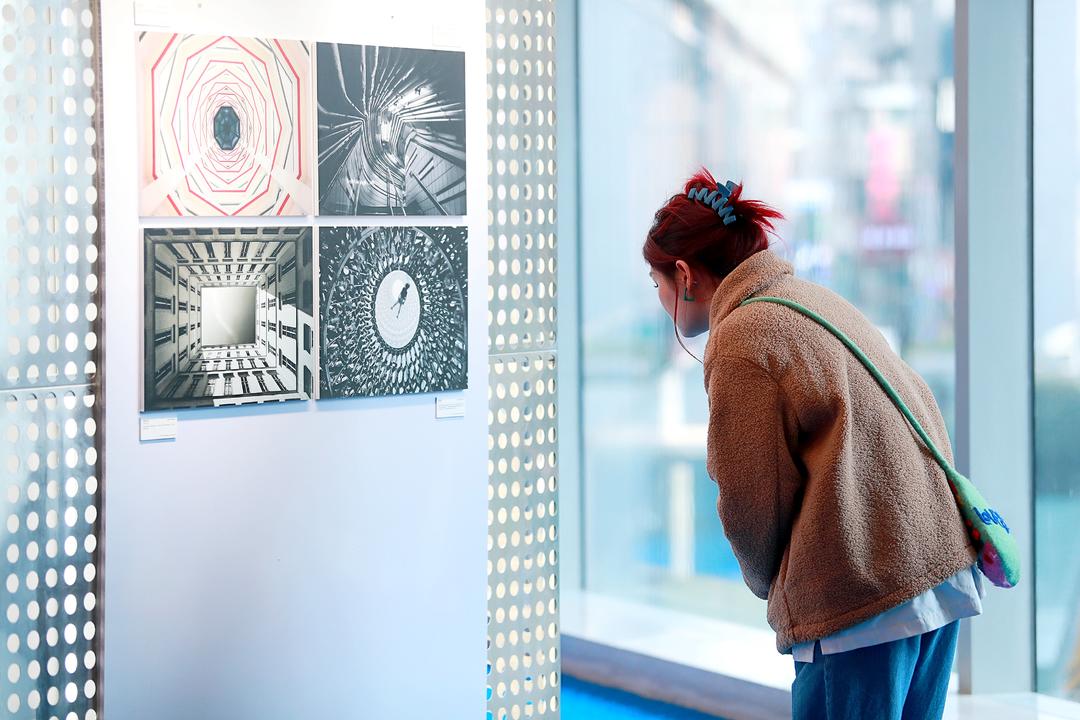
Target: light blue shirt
x=960 y=596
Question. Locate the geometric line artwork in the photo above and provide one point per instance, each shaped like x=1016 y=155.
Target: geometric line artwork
x=223 y=123
x=228 y=316
x=393 y=304
x=391 y=131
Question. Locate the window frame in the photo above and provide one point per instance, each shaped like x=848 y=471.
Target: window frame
x=994 y=348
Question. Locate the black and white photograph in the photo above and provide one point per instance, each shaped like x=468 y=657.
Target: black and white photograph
x=391 y=130
x=393 y=310
x=229 y=316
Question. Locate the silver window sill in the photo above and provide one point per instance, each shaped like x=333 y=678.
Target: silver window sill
x=719 y=668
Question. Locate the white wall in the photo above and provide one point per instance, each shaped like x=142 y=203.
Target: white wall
x=300 y=560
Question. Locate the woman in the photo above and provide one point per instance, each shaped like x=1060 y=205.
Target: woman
x=837 y=514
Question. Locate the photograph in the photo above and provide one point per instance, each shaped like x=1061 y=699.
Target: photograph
x=393 y=310
x=228 y=316
x=391 y=130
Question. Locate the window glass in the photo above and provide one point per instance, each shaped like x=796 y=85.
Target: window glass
x=838 y=113
x=1057 y=347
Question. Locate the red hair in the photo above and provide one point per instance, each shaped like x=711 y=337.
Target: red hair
x=691 y=231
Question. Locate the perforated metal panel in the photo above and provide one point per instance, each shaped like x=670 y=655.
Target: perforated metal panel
x=50 y=494
x=523 y=610
x=521 y=172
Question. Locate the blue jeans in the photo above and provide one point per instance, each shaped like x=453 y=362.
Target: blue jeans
x=900 y=680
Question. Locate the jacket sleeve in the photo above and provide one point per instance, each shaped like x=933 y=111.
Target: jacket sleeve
x=750 y=459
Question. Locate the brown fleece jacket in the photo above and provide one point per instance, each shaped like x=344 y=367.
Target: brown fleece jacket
x=835 y=510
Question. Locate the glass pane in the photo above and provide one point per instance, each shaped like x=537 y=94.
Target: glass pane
x=839 y=114
x=1057 y=348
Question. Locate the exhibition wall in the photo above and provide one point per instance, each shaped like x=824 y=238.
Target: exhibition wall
x=303 y=558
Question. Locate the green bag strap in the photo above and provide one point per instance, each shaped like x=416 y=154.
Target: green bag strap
x=882 y=381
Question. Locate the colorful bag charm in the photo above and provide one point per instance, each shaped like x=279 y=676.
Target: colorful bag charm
x=998 y=555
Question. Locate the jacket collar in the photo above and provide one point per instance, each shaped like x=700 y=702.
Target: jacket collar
x=753 y=275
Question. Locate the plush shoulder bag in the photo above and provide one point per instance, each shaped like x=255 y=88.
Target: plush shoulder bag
x=999 y=558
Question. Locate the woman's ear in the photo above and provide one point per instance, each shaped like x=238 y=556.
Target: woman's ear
x=683 y=269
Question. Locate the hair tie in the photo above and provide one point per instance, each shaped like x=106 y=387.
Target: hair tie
x=716 y=199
